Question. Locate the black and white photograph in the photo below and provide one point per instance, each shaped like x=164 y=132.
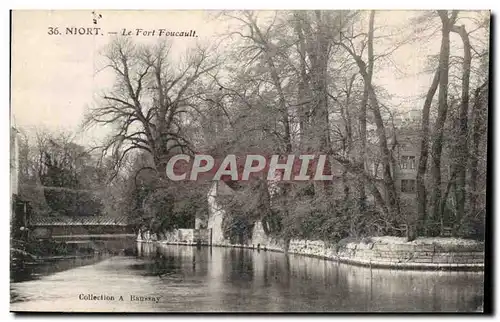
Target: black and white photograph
x=255 y=161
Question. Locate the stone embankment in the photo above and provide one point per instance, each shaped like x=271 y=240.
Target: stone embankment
x=382 y=252
x=393 y=252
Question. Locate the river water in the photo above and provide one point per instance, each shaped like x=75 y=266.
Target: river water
x=151 y=278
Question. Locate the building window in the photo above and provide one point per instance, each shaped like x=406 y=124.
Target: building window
x=407 y=186
x=407 y=162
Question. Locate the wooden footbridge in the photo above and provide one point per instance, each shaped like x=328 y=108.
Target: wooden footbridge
x=79 y=227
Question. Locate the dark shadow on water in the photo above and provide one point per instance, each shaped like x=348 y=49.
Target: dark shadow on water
x=83 y=254
x=240 y=268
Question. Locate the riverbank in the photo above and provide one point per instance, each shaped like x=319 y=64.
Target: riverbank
x=450 y=254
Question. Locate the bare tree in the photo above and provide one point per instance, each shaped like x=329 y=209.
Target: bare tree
x=461 y=152
x=437 y=146
x=366 y=72
x=424 y=153
x=267 y=51
x=151 y=96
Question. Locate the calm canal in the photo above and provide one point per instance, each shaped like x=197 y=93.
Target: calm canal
x=151 y=278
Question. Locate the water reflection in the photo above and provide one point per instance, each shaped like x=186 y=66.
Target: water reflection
x=225 y=279
x=94 y=251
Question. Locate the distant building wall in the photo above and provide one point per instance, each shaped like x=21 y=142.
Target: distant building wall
x=407 y=162
x=199 y=223
x=216 y=214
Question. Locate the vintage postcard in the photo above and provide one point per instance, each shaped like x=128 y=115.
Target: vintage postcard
x=249 y=161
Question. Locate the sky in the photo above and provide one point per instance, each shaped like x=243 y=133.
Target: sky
x=55 y=78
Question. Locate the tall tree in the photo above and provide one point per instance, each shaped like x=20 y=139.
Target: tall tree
x=437 y=146
x=150 y=98
x=365 y=72
x=363 y=108
x=424 y=154
x=462 y=151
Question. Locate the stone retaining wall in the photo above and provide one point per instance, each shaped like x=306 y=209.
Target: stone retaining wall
x=417 y=257
x=414 y=253
x=383 y=252
x=405 y=255
x=178 y=237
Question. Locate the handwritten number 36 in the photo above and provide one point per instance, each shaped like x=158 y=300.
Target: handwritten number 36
x=53 y=31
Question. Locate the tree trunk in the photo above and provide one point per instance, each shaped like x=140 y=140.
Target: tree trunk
x=461 y=157
x=348 y=140
x=302 y=100
x=392 y=195
x=424 y=154
x=362 y=113
x=317 y=44
x=437 y=146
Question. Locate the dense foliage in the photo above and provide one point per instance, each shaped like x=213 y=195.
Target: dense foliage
x=294 y=83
